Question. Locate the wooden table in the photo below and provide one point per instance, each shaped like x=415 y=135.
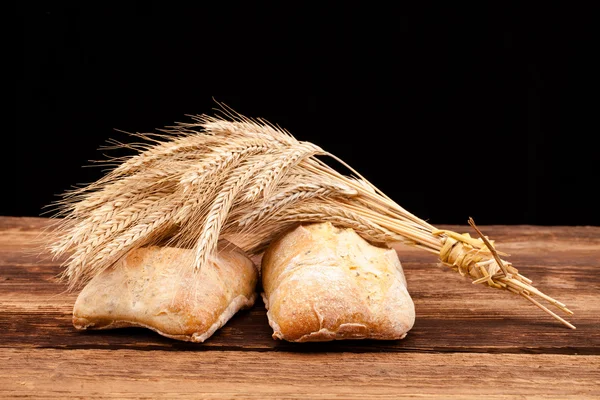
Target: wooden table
x=469 y=341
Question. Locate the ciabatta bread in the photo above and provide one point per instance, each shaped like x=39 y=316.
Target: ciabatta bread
x=323 y=283
x=154 y=287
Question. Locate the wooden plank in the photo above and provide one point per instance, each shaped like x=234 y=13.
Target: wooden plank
x=45 y=322
x=452 y=314
x=128 y=374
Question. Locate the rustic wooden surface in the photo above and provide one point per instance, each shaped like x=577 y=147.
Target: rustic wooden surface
x=468 y=341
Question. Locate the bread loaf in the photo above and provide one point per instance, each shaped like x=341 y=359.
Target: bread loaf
x=323 y=283
x=154 y=287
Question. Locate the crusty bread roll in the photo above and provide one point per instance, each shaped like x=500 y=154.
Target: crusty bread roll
x=154 y=287
x=322 y=283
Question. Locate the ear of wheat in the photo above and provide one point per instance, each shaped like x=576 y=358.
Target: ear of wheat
x=247 y=180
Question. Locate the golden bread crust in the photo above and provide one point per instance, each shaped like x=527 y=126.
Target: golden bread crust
x=324 y=283
x=154 y=287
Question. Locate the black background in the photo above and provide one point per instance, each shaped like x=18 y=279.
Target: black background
x=481 y=111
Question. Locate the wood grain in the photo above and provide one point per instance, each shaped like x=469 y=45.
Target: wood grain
x=468 y=341
x=162 y=374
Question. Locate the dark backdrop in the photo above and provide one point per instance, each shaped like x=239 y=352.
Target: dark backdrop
x=452 y=111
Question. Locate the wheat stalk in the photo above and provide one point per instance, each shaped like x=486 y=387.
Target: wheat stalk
x=223 y=158
x=320 y=212
x=270 y=177
x=292 y=195
x=106 y=221
x=248 y=181
x=104 y=248
x=219 y=211
x=169 y=149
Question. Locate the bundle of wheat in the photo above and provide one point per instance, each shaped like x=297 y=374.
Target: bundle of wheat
x=247 y=180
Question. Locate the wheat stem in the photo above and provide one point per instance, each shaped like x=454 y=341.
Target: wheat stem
x=270 y=176
x=219 y=211
x=292 y=195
